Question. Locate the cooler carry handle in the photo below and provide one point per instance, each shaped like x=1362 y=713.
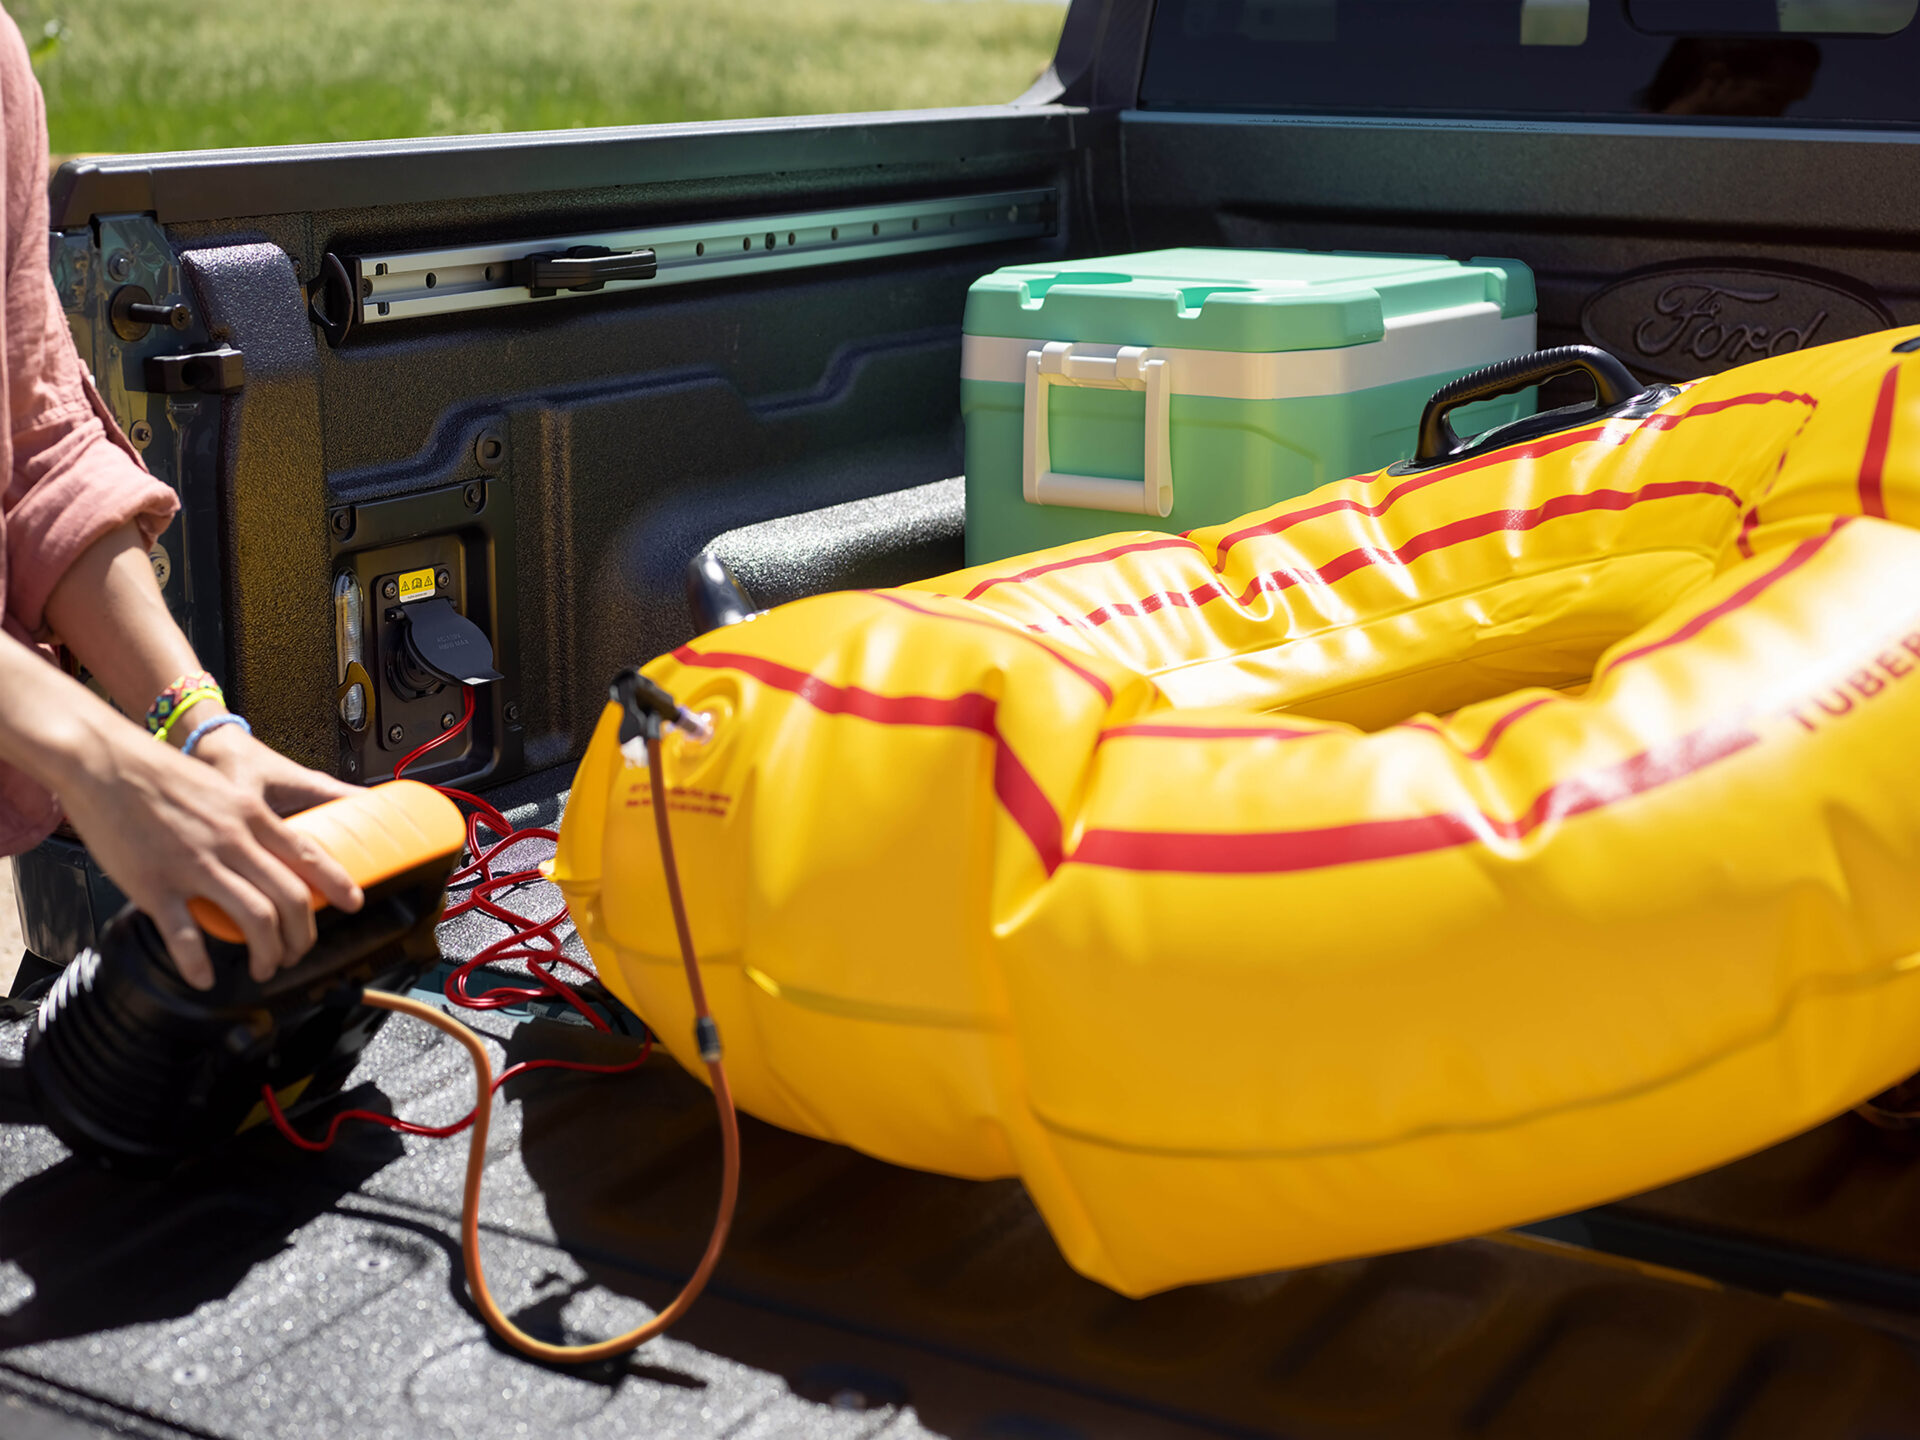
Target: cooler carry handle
x=1134 y=367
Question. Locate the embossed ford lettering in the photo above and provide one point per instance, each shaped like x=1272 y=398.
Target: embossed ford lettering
x=1679 y=322
x=1683 y=303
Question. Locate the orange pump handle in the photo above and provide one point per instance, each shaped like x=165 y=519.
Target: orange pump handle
x=375 y=834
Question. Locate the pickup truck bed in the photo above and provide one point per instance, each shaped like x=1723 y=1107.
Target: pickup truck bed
x=799 y=412
x=275 y=1293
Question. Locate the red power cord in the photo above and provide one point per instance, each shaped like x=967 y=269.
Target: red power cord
x=529 y=939
x=532 y=941
x=706 y=1035
x=437 y=1132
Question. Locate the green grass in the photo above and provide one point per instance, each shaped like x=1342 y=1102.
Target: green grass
x=134 y=75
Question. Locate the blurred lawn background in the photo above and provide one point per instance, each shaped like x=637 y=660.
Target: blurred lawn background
x=130 y=75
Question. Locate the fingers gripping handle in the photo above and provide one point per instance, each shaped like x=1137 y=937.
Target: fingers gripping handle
x=374 y=834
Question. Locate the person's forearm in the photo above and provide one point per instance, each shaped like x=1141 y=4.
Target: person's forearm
x=108 y=610
x=52 y=728
x=110 y=613
x=167 y=830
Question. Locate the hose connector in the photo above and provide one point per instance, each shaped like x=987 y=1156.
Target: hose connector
x=649 y=710
x=706 y=1036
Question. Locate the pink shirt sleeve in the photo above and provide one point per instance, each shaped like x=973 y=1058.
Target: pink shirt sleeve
x=72 y=477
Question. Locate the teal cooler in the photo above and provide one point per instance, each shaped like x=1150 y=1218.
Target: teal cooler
x=1180 y=388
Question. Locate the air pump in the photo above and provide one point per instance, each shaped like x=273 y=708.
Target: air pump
x=135 y=1069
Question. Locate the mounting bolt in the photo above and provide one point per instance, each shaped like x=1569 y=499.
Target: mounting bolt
x=119 y=265
x=443 y=578
x=475 y=495
x=342 y=523
x=513 y=711
x=489 y=450
x=395 y=734
x=390 y=590
x=446 y=720
x=141 y=434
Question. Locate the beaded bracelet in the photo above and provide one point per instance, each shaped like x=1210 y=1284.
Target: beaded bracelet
x=186 y=702
x=200 y=730
x=187 y=691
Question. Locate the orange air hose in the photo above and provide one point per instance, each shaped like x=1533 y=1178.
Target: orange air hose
x=483 y=1114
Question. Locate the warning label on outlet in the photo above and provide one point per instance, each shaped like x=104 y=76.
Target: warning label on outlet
x=416 y=585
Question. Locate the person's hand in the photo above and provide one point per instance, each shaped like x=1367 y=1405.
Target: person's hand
x=263 y=771
x=167 y=829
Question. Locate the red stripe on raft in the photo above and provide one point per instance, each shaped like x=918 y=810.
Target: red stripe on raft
x=1474 y=527
x=1499 y=727
x=1751 y=521
x=1160 y=600
x=1027 y=804
x=1494 y=731
x=1456 y=532
x=1659 y=421
x=1873 y=464
x=1004 y=627
x=1746 y=594
x=1165 y=542
x=1282 y=851
x=1207 y=732
x=969 y=711
x=1530 y=451
x=1013 y=784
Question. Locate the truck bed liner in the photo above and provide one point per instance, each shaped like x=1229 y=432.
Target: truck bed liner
x=275 y=1293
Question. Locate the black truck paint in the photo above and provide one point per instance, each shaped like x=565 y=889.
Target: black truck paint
x=561 y=462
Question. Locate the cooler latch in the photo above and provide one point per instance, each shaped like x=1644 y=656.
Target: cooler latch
x=1101 y=367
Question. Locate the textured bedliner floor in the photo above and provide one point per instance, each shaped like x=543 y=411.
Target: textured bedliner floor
x=281 y=1294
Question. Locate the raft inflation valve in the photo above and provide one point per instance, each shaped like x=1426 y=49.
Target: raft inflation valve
x=648 y=710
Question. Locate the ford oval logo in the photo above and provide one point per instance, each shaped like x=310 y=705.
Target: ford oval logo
x=1679 y=322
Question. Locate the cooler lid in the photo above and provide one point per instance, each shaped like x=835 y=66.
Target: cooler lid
x=1246 y=300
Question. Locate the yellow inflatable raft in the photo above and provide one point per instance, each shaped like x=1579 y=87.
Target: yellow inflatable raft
x=1429 y=854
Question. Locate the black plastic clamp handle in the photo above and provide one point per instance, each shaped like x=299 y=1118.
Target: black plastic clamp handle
x=333 y=299
x=1613 y=386
x=584 y=267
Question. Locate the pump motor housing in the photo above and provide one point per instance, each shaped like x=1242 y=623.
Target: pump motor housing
x=132 y=1067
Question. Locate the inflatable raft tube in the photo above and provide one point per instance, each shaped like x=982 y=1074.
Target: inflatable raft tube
x=1429 y=854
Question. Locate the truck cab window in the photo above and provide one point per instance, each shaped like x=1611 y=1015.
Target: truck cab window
x=1753 y=61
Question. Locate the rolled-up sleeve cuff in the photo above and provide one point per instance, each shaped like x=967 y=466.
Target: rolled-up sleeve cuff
x=83 y=495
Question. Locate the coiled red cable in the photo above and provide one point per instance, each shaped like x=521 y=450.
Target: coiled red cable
x=707 y=1035
x=531 y=940
x=436 y=1132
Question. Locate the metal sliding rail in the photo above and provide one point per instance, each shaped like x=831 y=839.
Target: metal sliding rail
x=410 y=284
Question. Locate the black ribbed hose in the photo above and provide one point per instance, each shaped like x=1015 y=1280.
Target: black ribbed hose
x=16 y=1104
